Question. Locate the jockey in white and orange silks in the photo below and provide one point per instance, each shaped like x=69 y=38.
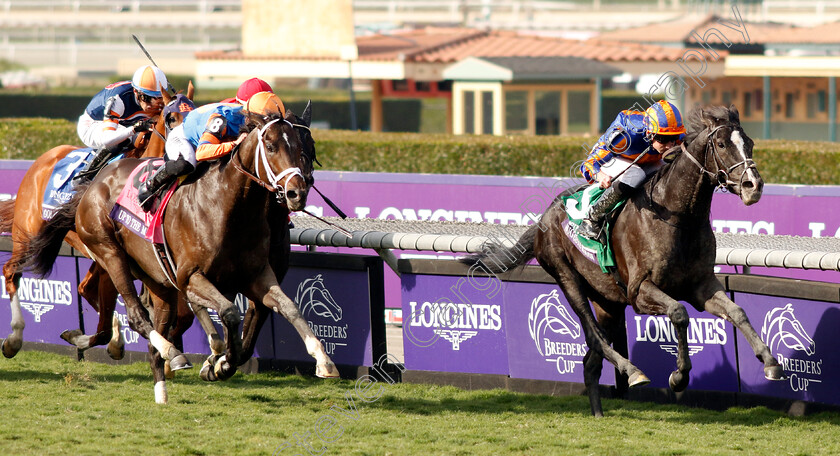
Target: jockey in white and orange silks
x=209 y=132
x=632 y=149
x=120 y=111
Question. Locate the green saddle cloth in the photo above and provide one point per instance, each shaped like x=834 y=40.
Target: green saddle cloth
x=577 y=206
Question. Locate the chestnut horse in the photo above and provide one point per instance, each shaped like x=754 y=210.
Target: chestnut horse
x=219 y=228
x=664 y=250
x=22 y=217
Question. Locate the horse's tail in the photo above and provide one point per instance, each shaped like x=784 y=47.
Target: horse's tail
x=44 y=246
x=7 y=215
x=497 y=258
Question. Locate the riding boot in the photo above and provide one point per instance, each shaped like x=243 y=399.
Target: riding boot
x=148 y=189
x=161 y=179
x=590 y=227
x=99 y=160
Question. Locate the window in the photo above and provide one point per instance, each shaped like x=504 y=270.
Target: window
x=759 y=100
x=790 y=110
x=748 y=105
x=516 y=111
x=707 y=97
x=487 y=112
x=548 y=112
x=579 y=111
x=423 y=86
x=469 y=111
x=811 y=105
x=726 y=98
x=821 y=101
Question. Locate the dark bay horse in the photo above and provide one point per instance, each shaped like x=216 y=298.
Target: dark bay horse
x=664 y=249
x=22 y=217
x=219 y=232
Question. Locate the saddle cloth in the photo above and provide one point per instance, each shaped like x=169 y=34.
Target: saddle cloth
x=59 y=188
x=577 y=206
x=128 y=212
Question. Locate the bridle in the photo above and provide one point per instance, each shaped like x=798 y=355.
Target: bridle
x=721 y=174
x=261 y=156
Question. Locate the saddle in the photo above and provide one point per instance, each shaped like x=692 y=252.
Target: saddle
x=577 y=206
x=147 y=225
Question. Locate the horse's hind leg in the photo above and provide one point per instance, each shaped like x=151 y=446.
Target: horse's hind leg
x=12 y=344
x=712 y=298
x=652 y=300
x=597 y=341
x=616 y=331
x=99 y=291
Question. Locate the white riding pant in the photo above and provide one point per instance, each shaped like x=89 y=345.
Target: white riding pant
x=635 y=174
x=177 y=146
x=94 y=134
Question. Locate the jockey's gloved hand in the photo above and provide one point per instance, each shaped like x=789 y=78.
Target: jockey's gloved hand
x=143 y=125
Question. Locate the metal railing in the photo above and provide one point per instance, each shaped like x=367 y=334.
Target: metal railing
x=203 y=6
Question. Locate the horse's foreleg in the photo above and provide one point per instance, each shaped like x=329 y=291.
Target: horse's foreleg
x=255 y=318
x=652 y=300
x=201 y=292
x=267 y=291
x=12 y=344
x=713 y=299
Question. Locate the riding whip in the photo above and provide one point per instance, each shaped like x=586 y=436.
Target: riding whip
x=331 y=204
x=143 y=48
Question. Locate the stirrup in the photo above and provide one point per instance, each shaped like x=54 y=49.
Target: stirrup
x=589 y=229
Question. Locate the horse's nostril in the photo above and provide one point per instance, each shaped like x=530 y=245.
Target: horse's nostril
x=747 y=185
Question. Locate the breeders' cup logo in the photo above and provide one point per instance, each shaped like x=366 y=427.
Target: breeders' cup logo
x=317 y=304
x=701 y=332
x=39 y=296
x=453 y=322
x=555 y=333
x=781 y=331
x=313 y=297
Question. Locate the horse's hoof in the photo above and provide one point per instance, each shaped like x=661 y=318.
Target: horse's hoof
x=69 y=335
x=677 y=381
x=774 y=373
x=637 y=379
x=223 y=369
x=207 y=374
x=179 y=362
x=327 y=370
x=116 y=352
x=10 y=349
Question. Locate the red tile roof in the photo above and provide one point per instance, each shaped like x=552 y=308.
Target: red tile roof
x=448 y=45
x=679 y=31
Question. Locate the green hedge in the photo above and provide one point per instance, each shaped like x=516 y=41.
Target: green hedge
x=780 y=161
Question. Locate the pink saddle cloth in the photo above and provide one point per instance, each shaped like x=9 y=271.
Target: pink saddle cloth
x=128 y=212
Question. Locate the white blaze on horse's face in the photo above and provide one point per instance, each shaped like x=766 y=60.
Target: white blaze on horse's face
x=739 y=143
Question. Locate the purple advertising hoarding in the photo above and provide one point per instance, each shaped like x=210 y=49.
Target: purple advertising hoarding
x=336 y=304
x=802 y=335
x=444 y=332
x=545 y=339
x=49 y=305
x=652 y=345
x=195 y=339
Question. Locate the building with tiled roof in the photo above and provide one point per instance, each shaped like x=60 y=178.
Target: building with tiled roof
x=414 y=62
x=789 y=70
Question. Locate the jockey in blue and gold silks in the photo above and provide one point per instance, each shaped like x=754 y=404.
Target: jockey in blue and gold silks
x=210 y=131
x=119 y=111
x=632 y=149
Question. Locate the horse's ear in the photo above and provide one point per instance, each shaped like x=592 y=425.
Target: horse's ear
x=708 y=116
x=733 y=114
x=190 y=90
x=307 y=114
x=166 y=96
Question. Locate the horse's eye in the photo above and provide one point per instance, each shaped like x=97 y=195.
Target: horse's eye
x=720 y=144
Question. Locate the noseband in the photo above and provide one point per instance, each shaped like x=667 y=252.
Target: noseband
x=721 y=174
x=272 y=177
